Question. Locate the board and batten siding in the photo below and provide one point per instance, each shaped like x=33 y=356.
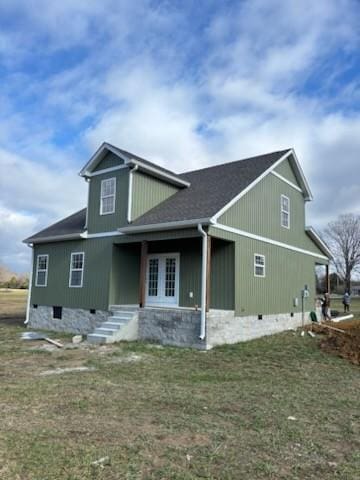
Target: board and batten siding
x=286 y=274
x=97 y=266
x=259 y=212
x=148 y=192
x=285 y=169
x=108 y=223
x=222 y=275
x=109 y=161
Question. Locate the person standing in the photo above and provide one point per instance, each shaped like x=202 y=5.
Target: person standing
x=346 y=302
x=325 y=307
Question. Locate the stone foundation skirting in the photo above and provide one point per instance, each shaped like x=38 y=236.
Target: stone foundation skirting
x=176 y=327
x=74 y=320
x=224 y=328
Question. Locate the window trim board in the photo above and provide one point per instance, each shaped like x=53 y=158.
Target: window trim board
x=107 y=196
x=258 y=265
x=77 y=269
x=42 y=270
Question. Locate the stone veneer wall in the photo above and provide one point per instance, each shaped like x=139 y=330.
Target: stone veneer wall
x=176 y=327
x=223 y=327
x=74 y=320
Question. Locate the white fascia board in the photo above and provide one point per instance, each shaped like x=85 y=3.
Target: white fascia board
x=319 y=241
x=98 y=156
x=159 y=173
x=165 y=226
x=59 y=238
x=243 y=233
x=285 y=180
x=306 y=187
x=250 y=187
x=106 y=170
x=87 y=235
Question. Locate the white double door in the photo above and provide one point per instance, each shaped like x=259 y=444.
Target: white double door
x=162 y=279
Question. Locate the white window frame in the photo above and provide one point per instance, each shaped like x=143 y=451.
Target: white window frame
x=42 y=269
x=263 y=266
x=102 y=197
x=284 y=211
x=77 y=269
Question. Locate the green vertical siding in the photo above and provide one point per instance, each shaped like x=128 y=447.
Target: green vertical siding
x=125 y=275
x=286 y=274
x=110 y=160
x=222 y=275
x=107 y=223
x=258 y=212
x=148 y=192
x=286 y=170
x=95 y=290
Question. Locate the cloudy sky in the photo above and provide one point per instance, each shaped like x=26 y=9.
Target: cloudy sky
x=183 y=83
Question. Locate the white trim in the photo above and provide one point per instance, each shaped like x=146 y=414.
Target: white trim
x=242 y=233
x=87 y=235
x=106 y=170
x=88 y=202
x=70 y=236
x=160 y=173
x=164 y=226
x=102 y=197
x=263 y=266
x=161 y=280
x=42 y=270
x=130 y=193
x=287 y=181
x=30 y=286
x=77 y=269
x=287 y=212
x=309 y=195
x=97 y=157
x=249 y=187
x=318 y=240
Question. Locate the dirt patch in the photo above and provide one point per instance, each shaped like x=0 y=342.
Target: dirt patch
x=342 y=338
x=60 y=371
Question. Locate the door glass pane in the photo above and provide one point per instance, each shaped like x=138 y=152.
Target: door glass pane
x=153 y=277
x=170 y=277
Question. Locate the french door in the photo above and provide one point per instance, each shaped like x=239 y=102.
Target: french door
x=162 y=279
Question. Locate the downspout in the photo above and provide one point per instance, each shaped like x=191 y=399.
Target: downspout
x=87 y=180
x=128 y=217
x=203 y=281
x=30 y=286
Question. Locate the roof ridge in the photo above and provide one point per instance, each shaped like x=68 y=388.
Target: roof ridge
x=276 y=152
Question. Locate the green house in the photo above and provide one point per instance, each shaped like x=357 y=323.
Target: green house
x=202 y=258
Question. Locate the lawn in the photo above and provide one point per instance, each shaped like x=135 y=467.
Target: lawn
x=275 y=408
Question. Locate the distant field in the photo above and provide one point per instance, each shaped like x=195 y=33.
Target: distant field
x=13 y=305
x=336 y=304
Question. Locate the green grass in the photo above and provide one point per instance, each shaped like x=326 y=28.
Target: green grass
x=336 y=304
x=167 y=413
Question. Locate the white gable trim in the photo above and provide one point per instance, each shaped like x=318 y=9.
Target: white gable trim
x=318 y=240
x=242 y=233
x=288 y=154
x=286 y=181
x=106 y=170
x=128 y=160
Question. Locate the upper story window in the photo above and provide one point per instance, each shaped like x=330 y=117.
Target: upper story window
x=76 y=269
x=259 y=265
x=42 y=264
x=285 y=211
x=107 y=196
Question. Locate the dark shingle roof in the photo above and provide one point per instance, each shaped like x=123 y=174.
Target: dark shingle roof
x=211 y=189
x=72 y=225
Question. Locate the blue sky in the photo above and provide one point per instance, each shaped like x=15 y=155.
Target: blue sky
x=183 y=83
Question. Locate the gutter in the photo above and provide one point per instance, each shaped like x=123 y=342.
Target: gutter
x=164 y=226
x=130 y=192
x=70 y=236
x=30 y=286
x=203 y=281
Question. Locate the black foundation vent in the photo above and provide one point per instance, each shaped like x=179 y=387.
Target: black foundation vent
x=92 y=310
x=260 y=317
x=57 y=312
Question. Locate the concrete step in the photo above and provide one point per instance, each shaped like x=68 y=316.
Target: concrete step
x=105 y=331
x=113 y=324
x=122 y=314
x=118 y=318
x=95 y=338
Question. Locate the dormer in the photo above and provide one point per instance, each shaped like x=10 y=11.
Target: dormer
x=123 y=186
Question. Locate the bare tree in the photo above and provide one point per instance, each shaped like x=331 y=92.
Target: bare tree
x=343 y=237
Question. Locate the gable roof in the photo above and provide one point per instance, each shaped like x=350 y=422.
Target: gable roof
x=66 y=229
x=210 y=190
x=132 y=160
